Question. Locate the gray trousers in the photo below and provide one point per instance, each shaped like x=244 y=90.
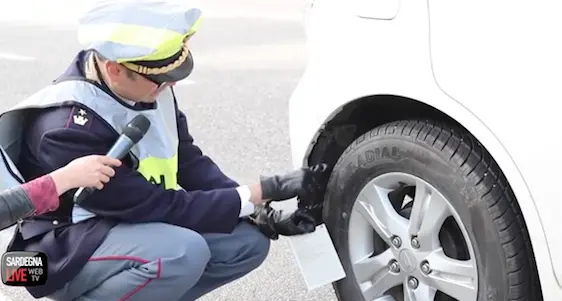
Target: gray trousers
x=158 y=261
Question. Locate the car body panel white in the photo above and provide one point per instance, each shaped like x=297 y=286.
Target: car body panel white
x=360 y=57
x=501 y=60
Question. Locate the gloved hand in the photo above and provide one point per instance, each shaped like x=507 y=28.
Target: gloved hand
x=292 y=184
x=273 y=223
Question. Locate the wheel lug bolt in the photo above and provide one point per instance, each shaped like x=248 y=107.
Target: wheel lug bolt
x=425 y=267
x=413 y=283
x=396 y=241
x=415 y=243
x=394 y=266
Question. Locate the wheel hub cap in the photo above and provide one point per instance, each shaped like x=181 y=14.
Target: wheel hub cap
x=407 y=260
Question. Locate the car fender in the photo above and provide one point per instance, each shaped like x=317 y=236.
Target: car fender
x=308 y=118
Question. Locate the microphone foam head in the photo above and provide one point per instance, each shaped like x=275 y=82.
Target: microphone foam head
x=136 y=128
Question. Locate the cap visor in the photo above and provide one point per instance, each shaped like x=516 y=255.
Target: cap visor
x=175 y=75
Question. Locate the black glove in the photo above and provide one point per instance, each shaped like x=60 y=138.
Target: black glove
x=292 y=184
x=273 y=223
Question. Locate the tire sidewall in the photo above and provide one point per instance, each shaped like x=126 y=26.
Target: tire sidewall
x=370 y=157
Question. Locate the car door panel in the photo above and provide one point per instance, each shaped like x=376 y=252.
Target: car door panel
x=502 y=61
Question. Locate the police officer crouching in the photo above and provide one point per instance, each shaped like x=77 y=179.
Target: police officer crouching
x=169 y=225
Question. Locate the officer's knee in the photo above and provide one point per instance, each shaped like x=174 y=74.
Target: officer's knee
x=192 y=254
x=257 y=246
x=261 y=246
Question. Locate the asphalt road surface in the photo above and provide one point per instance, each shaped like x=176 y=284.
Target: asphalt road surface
x=248 y=57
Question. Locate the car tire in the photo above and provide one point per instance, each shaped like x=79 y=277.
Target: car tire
x=458 y=166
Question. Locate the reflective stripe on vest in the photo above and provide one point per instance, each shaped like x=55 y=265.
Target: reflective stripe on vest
x=156 y=151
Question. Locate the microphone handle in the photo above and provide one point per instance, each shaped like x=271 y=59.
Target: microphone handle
x=121 y=147
x=82 y=193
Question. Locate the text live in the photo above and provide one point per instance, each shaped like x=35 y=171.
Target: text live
x=24 y=268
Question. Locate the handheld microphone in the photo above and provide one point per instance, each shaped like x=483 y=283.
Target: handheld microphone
x=132 y=134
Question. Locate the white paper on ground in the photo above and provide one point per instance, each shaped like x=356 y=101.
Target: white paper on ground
x=317 y=258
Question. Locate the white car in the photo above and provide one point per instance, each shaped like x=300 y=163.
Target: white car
x=441 y=120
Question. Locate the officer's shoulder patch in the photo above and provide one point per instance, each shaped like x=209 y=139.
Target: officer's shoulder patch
x=80 y=117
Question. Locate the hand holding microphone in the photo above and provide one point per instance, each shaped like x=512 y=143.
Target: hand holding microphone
x=89 y=171
x=41 y=194
x=134 y=131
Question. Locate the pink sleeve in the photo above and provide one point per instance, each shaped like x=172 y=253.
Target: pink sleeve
x=43 y=194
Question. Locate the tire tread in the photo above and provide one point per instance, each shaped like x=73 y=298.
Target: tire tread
x=479 y=168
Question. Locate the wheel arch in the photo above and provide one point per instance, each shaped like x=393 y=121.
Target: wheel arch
x=360 y=115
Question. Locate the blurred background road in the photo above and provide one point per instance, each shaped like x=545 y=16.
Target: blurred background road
x=248 y=56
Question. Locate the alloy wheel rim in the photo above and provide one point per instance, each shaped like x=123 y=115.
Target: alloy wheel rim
x=416 y=256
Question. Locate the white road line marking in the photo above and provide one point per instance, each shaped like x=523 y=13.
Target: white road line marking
x=15 y=57
x=45 y=13
x=185 y=82
x=222 y=13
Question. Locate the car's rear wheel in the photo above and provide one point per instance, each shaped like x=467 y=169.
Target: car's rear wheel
x=419 y=212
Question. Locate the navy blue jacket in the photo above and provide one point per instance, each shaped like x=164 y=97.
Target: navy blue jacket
x=209 y=204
